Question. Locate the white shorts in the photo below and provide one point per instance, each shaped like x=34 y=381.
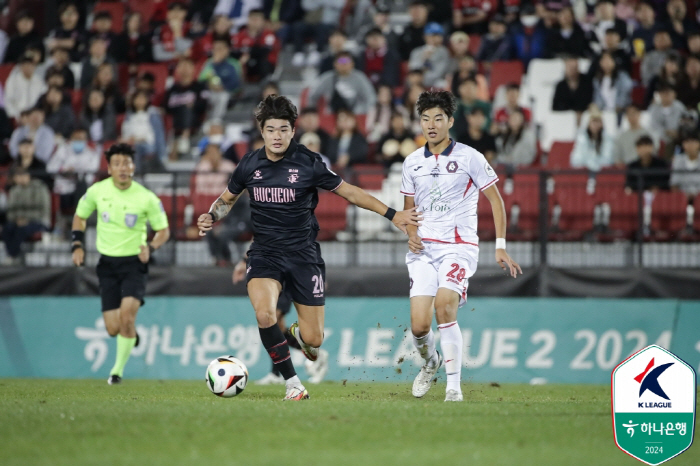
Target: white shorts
x=442 y=266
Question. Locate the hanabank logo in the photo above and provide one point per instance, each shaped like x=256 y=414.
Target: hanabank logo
x=649 y=381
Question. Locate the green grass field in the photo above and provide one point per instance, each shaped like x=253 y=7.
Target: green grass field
x=173 y=423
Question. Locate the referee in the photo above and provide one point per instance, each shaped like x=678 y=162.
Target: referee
x=123 y=207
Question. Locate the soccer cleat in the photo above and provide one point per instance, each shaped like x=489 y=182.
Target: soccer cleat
x=138 y=340
x=271 y=379
x=424 y=379
x=317 y=370
x=296 y=393
x=310 y=352
x=114 y=379
x=453 y=395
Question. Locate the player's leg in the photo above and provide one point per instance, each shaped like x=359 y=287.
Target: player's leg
x=110 y=295
x=284 y=304
x=309 y=334
x=126 y=339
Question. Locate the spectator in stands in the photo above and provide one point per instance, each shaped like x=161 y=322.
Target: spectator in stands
x=626 y=141
x=381 y=64
x=642 y=39
x=619 y=53
x=648 y=166
x=27 y=160
x=409 y=102
x=665 y=117
x=337 y=42
x=476 y=136
x=321 y=17
x=413 y=35
x=222 y=76
x=529 y=36
x=679 y=24
x=185 y=101
x=569 y=38
x=256 y=47
x=219 y=29
x=171 y=41
x=379 y=116
x=433 y=57
x=688 y=89
x=471 y=16
x=102 y=28
x=212 y=171
x=459 y=48
x=466 y=68
x=237 y=11
x=105 y=81
x=686 y=167
x=612 y=87
x=33 y=128
x=54 y=78
x=23 y=88
x=75 y=164
x=309 y=122
x=517 y=145
x=575 y=91
x=496 y=45
x=59 y=114
x=380 y=20
x=605 y=19
x=501 y=115
x=28 y=212
x=61 y=64
x=97 y=56
x=143 y=130
x=593 y=148
x=68 y=35
x=214 y=133
x=99 y=118
x=132 y=46
x=654 y=59
x=313 y=143
x=466 y=103
x=398 y=143
x=26 y=35
x=694 y=43
x=670 y=74
x=349 y=146
x=344 y=87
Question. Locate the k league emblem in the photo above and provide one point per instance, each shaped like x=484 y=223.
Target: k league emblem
x=105 y=217
x=130 y=219
x=452 y=167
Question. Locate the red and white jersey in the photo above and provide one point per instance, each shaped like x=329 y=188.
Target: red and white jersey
x=446 y=189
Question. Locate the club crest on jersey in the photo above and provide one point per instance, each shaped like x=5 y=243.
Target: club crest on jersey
x=257 y=175
x=105 y=217
x=452 y=167
x=130 y=220
x=489 y=170
x=293 y=178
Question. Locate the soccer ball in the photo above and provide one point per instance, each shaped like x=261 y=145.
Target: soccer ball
x=226 y=376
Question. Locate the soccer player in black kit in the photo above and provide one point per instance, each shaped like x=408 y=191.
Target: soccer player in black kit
x=282 y=180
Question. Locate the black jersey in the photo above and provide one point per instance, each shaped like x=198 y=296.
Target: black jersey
x=283 y=196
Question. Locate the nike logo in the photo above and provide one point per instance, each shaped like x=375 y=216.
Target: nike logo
x=417 y=168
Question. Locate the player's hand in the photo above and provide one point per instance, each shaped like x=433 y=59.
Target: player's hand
x=239 y=272
x=415 y=244
x=78 y=257
x=503 y=259
x=205 y=224
x=407 y=217
x=145 y=254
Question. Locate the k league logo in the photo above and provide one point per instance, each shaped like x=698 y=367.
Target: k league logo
x=130 y=220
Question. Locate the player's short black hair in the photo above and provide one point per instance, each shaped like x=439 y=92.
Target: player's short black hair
x=119 y=149
x=443 y=100
x=644 y=140
x=276 y=107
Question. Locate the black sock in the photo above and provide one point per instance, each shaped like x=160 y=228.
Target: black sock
x=276 y=345
x=291 y=341
x=275 y=370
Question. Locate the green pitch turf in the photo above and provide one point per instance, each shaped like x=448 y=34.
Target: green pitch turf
x=175 y=423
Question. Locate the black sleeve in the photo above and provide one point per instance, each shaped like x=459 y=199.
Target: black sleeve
x=324 y=177
x=237 y=182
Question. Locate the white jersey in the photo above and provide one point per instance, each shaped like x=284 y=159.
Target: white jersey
x=446 y=190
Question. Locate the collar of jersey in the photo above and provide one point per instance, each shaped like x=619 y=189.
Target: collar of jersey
x=447 y=150
x=290 y=150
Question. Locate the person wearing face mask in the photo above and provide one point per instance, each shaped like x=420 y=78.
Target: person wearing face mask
x=215 y=133
x=529 y=36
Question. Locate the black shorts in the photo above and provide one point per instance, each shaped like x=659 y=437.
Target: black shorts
x=284 y=302
x=301 y=273
x=121 y=277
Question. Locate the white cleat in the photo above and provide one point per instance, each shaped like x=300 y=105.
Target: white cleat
x=317 y=370
x=296 y=393
x=453 y=395
x=310 y=352
x=424 y=379
x=271 y=379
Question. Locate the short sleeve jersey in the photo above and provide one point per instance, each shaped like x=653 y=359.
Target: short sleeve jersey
x=122 y=216
x=446 y=189
x=283 y=196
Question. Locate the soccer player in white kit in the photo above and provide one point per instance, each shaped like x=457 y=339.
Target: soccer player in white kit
x=443 y=179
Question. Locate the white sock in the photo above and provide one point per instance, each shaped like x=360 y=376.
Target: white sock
x=426 y=346
x=293 y=382
x=451 y=344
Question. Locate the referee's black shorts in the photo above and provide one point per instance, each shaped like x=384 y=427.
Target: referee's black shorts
x=121 y=277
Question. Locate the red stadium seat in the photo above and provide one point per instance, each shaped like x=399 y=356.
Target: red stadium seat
x=304 y=98
x=368 y=176
x=504 y=72
x=144 y=8
x=123 y=77
x=176 y=204
x=577 y=206
x=668 y=212
x=362 y=124
x=474 y=44
x=559 y=157
x=159 y=70
x=624 y=208
x=331 y=215
x=639 y=94
x=5 y=71
x=526 y=196
x=116 y=10
x=77 y=100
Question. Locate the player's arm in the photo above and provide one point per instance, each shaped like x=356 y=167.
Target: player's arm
x=415 y=243
x=363 y=199
x=78 y=239
x=499 y=218
x=218 y=210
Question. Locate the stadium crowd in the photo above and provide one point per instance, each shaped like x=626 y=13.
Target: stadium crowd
x=166 y=75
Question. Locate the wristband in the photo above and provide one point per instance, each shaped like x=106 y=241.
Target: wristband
x=213 y=217
x=76 y=246
x=500 y=243
x=390 y=213
x=77 y=236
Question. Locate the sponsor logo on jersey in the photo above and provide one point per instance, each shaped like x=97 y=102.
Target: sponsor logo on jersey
x=435 y=195
x=452 y=167
x=276 y=195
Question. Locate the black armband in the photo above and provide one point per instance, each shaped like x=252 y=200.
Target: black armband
x=76 y=246
x=390 y=213
x=213 y=216
x=77 y=236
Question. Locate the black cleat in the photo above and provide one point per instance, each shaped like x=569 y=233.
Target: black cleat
x=114 y=380
x=138 y=340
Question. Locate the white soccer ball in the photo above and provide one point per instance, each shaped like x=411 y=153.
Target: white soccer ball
x=226 y=376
